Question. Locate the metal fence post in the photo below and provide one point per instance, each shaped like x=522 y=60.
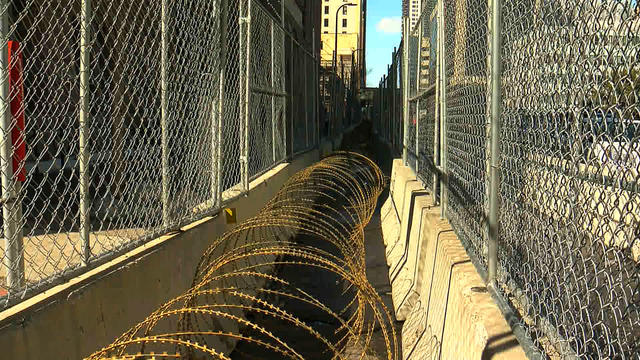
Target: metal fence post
x=343 y=92
x=318 y=100
x=306 y=103
x=316 y=87
x=418 y=100
x=273 y=97
x=246 y=37
x=381 y=115
x=405 y=90
x=283 y=70
x=438 y=107
x=85 y=68
x=443 y=113
x=385 y=107
x=292 y=96
x=391 y=87
x=216 y=126
x=164 y=113
x=496 y=113
x=13 y=259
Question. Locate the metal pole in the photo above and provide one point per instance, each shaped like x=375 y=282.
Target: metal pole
x=394 y=81
x=443 y=113
x=283 y=71
x=335 y=43
x=291 y=94
x=13 y=260
x=244 y=157
x=335 y=61
x=418 y=79
x=306 y=93
x=343 y=91
x=381 y=109
x=164 y=113
x=438 y=106
x=496 y=113
x=216 y=180
x=85 y=205
x=273 y=97
x=316 y=84
x=405 y=90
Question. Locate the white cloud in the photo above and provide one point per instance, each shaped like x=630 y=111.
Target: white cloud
x=390 y=25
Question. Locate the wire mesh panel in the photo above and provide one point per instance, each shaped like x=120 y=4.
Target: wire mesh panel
x=466 y=115
x=427 y=119
x=279 y=102
x=413 y=71
x=46 y=203
x=427 y=91
x=569 y=248
x=127 y=119
x=193 y=89
x=232 y=123
x=311 y=97
x=262 y=70
x=398 y=124
x=299 y=123
x=570 y=161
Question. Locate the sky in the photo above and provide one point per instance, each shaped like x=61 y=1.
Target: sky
x=384 y=30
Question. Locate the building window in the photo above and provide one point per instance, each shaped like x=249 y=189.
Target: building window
x=326 y=22
x=344 y=10
x=326 y=10
x=344 y=32
x=344 y=22
x=325 y=32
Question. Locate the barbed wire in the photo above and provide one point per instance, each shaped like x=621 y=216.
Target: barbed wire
x=314 y=223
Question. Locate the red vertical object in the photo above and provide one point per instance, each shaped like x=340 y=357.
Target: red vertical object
x=16 y=94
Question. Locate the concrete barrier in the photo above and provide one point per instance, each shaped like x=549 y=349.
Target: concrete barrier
x=388 y=213
x=407 y=280
x=447 y=311
x=74 y=319
x=396 y=252
x=403 y=177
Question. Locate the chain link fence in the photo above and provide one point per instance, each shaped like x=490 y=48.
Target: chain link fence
x=388 y=106
x=563 y=130
x=124 y=120
x=340 y=90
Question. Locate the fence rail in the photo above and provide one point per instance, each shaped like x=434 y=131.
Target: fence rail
x=524 y=120
x=122 y=120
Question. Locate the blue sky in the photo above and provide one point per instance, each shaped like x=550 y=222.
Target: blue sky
x=384 y=24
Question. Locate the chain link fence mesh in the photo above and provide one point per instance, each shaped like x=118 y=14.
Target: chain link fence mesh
x=160 y=123
x=568 y=246
x=570 y=159
x=388 y=105
x=426 y=97
x=413 y=48
x=465 y=57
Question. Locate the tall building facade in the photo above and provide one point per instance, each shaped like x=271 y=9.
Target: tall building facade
x=350 y=33
x=411 y=9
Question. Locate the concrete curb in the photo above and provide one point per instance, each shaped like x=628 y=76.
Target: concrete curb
x=447 y=311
